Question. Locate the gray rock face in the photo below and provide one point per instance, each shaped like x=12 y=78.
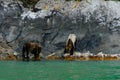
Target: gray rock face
x=1 y=37
x=96 y=28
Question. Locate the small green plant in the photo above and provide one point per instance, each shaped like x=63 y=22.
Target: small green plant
x=29 y=3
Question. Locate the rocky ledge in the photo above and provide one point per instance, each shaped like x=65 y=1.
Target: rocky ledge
x=96 y=24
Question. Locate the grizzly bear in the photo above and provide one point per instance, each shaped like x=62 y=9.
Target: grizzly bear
x=70 y=44
x=31 y=47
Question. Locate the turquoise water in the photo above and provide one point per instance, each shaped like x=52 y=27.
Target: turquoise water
x=60 y=70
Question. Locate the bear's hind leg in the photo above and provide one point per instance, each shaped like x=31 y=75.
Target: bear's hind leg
x=27 y=55
x=23 y=54
x=71 y=51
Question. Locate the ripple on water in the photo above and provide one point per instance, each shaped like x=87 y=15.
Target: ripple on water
x=60 y=70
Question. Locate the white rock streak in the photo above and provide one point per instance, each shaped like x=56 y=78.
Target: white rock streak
x=73 y=9
x=34 y=15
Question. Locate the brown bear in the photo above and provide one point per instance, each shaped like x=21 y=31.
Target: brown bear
x=31 y=47
x=70 y=44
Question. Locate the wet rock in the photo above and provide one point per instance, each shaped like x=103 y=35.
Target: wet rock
x=89 y=42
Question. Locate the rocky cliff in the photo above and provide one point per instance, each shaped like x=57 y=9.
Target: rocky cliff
x=96 y=24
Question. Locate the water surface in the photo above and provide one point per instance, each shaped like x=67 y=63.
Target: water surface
x=60 y=70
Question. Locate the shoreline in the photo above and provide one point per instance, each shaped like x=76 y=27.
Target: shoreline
x=67 y=58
